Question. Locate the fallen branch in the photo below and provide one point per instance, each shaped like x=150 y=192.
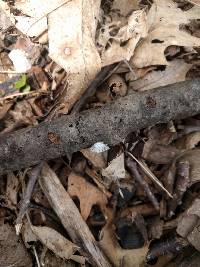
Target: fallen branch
x=109 y=124
x=70 y=217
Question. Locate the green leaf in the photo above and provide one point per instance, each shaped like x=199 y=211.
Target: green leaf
x=21 y=82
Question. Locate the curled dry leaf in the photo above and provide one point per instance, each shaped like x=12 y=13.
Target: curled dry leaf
x=193 y=158
x=115 y=169
x=88 y=194
x=55 y=241
x=175 y=72
x=73 y=48
x=188 y=226
x=117 y=85
x=117 y=255
x=164 y=20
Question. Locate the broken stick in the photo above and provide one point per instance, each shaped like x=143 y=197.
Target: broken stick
x=109 y=124
x=70 y=217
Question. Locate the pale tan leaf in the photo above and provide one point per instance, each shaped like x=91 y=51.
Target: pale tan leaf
x=73 y=48
x=88 y=194
x=188 y=141
x=55 y=241
x=175 y=72
x=164 y=20
x=35 y=23
x=132 y=33
x=115 y=169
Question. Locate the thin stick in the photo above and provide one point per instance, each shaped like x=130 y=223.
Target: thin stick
x=70 y=217
x=132 y=166
x=150 y=174
x=27 y=196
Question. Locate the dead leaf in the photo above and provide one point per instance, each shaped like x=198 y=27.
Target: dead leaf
x=127 y=7
x=193 y=157
x=12 y=190
x=117 y=255
x=117 y=86
x=73 y=48
x=175 y=72
x=98 y=160
x=4 y=109
x=13 y=252
x=188 y=141
x=132 y=32
x=55 y=241
x=115 y=169
x=35 y=23
x=189 y=224
x=164 y=20
x=5 y=22
x=88 y=194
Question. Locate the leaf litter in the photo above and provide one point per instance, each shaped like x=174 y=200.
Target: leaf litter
x=50 y=52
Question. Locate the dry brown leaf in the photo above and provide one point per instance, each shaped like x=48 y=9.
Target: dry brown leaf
x=12 y=251
x=175 y=72
x=4 y=109
x=97 y=159
x=12 y=190
x=55 y=241
x=188 y=225
x=127 y=7
x=193 y=157
x=115 y=169
x=117 y=255
x=73 y=47
x=132 y=32
x=188 y=141
x=164 y=20
x=88 y=194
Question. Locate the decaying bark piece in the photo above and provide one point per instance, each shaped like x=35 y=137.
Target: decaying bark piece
x=71 y=218
x=109 y=124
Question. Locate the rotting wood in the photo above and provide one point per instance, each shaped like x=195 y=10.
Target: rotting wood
x=109 y=124
x=70 y=217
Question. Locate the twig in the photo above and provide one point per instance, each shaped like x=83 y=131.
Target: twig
x=132 y=166
x=33 y=176
x=182 y=182
x=161 y=248
x=109 y=124
x=70 y=217
x=36 y=257
x=11 y=72
x=150 y=174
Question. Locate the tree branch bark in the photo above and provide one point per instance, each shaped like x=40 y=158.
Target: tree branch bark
x=109 y=124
